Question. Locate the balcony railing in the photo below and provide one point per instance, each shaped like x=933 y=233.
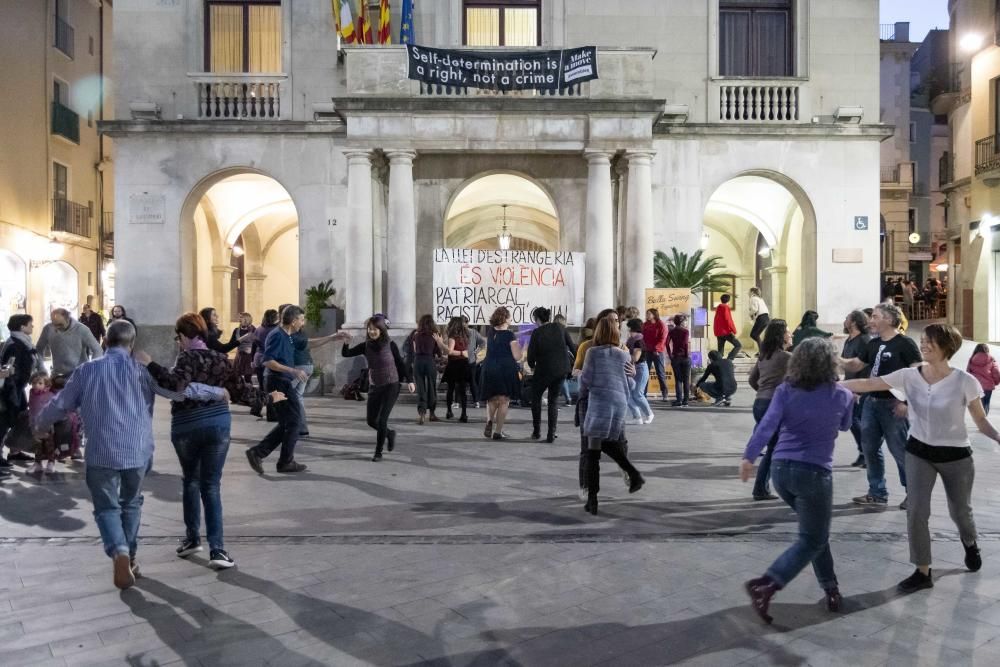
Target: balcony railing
x=71 y=218
x=988 y=154
x=898 y=174
x=64 y=37
x=887 y=31
x=65 y=122
x=946 y=169
x=239 y=96
x=759 y=102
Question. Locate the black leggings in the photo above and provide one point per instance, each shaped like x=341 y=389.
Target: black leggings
x=458 y=385
x=381 y=400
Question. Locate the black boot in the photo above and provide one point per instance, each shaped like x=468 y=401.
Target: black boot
x=551 y=435
x=761 y=591
x=616 y=451
x=593 y=480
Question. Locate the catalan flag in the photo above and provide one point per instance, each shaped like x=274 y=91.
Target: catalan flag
x=384 y=19
x=406 y=24
x=344 y=20
x=364 y=31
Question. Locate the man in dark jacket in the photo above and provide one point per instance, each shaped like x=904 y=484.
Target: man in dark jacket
x=548 y=358
x=724 y=376
x=17 y=355
x=93 y=321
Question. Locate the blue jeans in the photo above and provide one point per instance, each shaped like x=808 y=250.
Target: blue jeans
x=654 y=361
x=300 y=389
x=859 y=405
x=877 y=422
x=637 y=402
x=760 y=487
x=202 y=454
x=117 y=496
x=808 y=489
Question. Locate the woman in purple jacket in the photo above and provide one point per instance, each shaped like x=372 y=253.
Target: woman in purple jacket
x=806 y=412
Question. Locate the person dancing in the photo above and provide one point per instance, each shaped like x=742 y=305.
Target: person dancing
x=457 y=371
x=938 y=445
x=765 y=377
x=500 y=378
x=386 y=369
x=806 y=412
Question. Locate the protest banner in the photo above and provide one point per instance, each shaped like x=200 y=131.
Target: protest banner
x=549 y=70
x=473 y=283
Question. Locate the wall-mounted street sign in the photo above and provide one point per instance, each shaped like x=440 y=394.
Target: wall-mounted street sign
x=861 y=222
x=500 y=70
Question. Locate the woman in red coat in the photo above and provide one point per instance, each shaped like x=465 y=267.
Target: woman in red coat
x=654 y=340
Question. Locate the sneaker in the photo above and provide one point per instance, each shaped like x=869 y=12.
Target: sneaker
x=859 y=462
x=220 y=560
x=726 y=402
x=973 y=559
x=916 y=582
x=870 y=500
x=255 y=461
x=635 y=421
x=50 y=467
x=649 y=419
x=188 y=547
x=719 y=402
x=133 y=565
x=477 y=405
x=377 y=457
x=903 y=504
x=35 y=469
x=766 y=496
x=292 y=467
x=123 y=576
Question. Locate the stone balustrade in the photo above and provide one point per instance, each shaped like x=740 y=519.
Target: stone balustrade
x=239 y=96
x=758 y=101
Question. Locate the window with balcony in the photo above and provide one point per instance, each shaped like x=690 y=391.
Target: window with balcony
x=243 y=36
x=756 y=38
x=65 y=121
x=502 y=23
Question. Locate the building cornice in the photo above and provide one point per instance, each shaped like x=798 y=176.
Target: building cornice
x=120 y=128
x=783 y=131
x=493 y=105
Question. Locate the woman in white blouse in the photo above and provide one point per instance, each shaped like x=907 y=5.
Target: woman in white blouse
x=937 y=395
x=759 y=315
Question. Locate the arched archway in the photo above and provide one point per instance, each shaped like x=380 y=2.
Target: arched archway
x=764 y=227
x=13 y=285
x=61 y=285
x=250 y=211
x=478 y=208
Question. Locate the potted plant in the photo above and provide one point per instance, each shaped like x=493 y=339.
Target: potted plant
x=695 y=272
x=317 y=300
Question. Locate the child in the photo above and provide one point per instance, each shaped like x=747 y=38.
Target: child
x=38 y=398
x=983 y=367
x=66 y=432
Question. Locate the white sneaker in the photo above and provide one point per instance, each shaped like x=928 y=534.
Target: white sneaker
x=50 y=467
x=36 y=469
x=649 y=419
x=634 y=421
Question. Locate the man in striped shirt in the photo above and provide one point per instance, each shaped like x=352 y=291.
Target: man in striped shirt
x=114 y=395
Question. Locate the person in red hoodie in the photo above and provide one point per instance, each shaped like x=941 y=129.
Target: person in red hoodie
x=654 y=343
x=725 y=328
x=983 y=367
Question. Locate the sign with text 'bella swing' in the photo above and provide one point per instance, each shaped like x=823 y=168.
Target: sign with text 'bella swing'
x=474 y=283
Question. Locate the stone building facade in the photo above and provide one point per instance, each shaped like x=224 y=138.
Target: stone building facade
x=698 y=132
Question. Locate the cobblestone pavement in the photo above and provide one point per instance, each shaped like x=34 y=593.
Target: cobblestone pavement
x=459 y=551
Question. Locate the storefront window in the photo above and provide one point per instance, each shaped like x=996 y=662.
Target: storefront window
x=13 y=287
x=495 y=23
x=62 y=287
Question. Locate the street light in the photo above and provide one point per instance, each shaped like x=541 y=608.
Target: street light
x=504 y=236
x=970 y=42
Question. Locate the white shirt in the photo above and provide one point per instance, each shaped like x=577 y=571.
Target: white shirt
x=937 y=411
x=757 y=307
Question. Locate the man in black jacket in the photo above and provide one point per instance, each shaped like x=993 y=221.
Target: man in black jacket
x=18 y=356
x=548 y=358
x=724 y=376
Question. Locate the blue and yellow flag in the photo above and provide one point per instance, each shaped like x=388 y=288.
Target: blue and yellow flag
x=406 y=23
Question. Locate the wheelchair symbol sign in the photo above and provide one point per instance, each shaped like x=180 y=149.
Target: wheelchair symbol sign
x=861 y=222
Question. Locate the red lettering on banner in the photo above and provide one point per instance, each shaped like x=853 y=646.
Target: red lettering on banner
x=527 y=276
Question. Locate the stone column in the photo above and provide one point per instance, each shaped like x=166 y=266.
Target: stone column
x=637 y=273
x=402 y=241
x=254 y=291
x=599 y=290
x=360 y=257
x=222 y=276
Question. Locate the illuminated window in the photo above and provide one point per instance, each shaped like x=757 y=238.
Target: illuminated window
x=498 y=23
x=243 y=36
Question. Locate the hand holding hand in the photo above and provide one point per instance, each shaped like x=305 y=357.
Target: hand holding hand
x=746 y=470
x=411 y=387
x=225 y=395
x=142 y=357
x=577 y=372
x=277 y=396
x=301 y=375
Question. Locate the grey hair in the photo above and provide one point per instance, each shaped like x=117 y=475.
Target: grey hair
x=62 y=312
x=290 y=313
x=120 y=333
x=813 y=363
x=892 y=311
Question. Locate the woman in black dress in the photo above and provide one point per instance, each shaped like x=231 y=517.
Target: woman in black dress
x=500 y=377
x=457 y=372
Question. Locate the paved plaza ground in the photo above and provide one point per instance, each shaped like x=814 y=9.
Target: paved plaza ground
x=460 y=551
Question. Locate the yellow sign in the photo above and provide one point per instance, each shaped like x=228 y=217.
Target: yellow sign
x=668 y=302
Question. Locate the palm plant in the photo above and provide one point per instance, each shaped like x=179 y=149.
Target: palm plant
x=694 y=272
x=318 y=298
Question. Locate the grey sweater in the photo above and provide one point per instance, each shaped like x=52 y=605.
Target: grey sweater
x=70 y=349
x=768 y=374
